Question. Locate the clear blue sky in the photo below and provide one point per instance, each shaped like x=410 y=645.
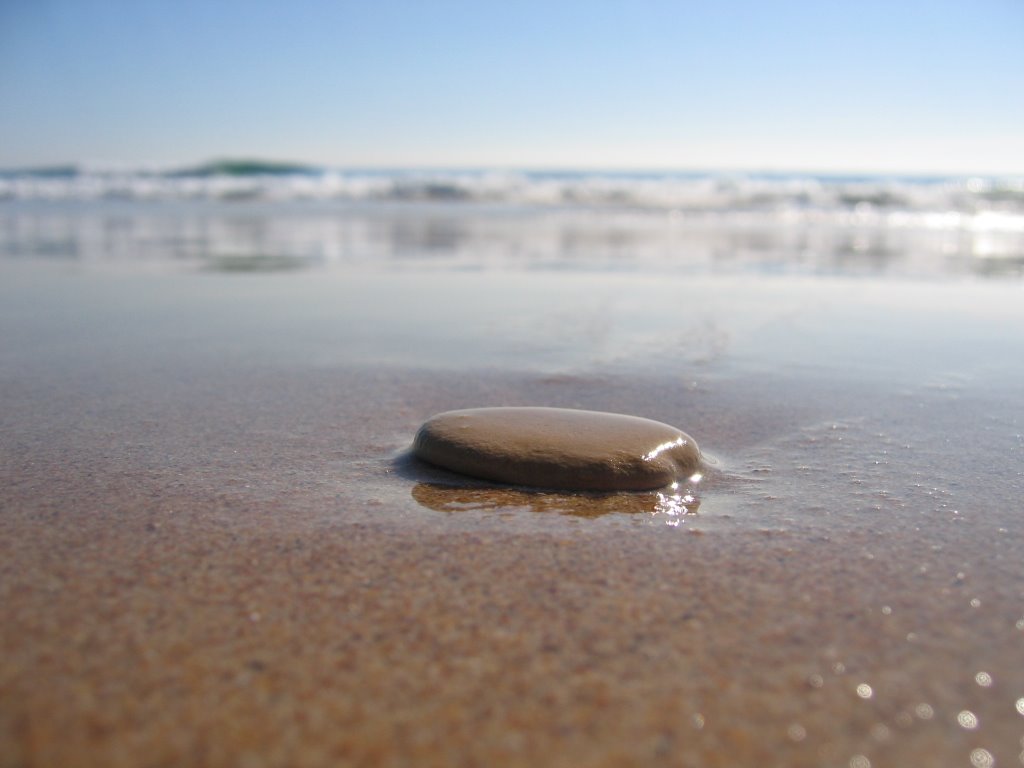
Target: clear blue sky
x=865 y=85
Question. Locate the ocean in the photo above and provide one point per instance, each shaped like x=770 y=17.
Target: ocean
x=258 y=215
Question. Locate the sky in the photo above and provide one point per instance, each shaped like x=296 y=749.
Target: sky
x=929 y=86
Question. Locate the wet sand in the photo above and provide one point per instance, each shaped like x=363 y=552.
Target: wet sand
x=214 y=549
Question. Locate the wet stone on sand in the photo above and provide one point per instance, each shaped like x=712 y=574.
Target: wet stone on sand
x=558 y=448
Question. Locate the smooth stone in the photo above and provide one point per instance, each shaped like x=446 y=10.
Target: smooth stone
x=558 y=448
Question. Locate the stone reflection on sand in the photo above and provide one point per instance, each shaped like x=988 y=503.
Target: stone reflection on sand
x=673 y=503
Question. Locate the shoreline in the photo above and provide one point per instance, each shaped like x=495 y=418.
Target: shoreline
x=212 y=552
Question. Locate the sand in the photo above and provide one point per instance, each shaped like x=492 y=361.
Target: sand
x=215 y=550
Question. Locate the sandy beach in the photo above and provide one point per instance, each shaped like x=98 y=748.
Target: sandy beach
x=214 y=549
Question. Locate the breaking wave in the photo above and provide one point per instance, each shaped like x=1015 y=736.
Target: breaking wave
x=681 y=192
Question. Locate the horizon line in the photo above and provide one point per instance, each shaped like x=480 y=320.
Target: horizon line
x=284 y=167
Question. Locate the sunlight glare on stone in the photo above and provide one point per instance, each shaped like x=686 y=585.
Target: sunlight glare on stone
x=664 y=447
